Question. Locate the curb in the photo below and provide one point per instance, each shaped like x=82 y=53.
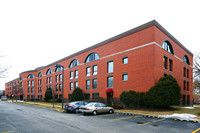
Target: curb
x=58 y=110
x=155 y=116
x=194 y=121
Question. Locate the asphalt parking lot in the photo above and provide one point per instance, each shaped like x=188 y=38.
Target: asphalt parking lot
x=20 y=118
x=149 y=123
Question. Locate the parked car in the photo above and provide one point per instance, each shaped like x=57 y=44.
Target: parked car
x=3 y=98
x=74 y=106
x=95 y=108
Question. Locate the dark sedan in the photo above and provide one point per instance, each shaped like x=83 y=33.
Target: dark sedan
x=74 y=106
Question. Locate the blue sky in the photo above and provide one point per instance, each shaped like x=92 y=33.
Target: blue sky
x=39 y=32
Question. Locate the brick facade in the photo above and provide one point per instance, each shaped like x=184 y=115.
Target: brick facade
x=141 y=46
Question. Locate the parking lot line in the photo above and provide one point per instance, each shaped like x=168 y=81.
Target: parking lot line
x=125 y=118
x=152 y=122
x=196 y=130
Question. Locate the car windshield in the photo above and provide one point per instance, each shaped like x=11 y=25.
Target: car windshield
x=3 y=97
x=73 y=103
x=90 y=104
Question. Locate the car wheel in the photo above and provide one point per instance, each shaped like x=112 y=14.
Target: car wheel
x=94 y=112
x=76 y=110
x=111 y=111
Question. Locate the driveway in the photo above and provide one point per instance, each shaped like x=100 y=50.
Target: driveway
x=28 y=119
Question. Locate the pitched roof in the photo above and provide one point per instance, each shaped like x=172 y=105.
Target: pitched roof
x=129 y=32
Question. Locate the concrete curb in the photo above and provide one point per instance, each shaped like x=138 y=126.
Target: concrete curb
x=155 y=116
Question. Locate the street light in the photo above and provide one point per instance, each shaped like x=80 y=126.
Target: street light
x=60 y=66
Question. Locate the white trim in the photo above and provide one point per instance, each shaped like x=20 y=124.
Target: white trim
x=131 y=49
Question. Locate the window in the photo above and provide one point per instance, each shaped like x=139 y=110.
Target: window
x=30 y=76
x=39 y=89
x=92 y=57
x=47 y=80
x=110 y=82
x=95 y=95
x=50 y=79
x=110 y=67
x=60 y=96
x=95 y=70
x=74 y=63
x=56 y=78
x=170 y=65
x=165 y=62
x=28 y=90
x=56 y=87
x=88 y=84
x=32 y=83
x=87 y=96
x=184 y=85
x=21 y=78
x=94 y=83
x=60 y=87
x=60 y=77
x=29 y=83
x=32 y=90
x=125 y=60
x=125 y=77
x=58 y=69
x=187 y=86
x=49 y=71
x=76 y=74
x=187 y=73
x=76 y=84
x=71 y=75
x=184 y=72
x=88 y=71
x=188 y=99
x=40 y=74
x=102 y=105
x=186 y=59
x=71 y=86
x=168 y=47
x=97 y=105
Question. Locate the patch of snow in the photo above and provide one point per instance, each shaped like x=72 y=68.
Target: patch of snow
x=181 y=116
x=188 y=107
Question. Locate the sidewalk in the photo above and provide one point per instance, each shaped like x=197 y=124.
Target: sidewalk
x=36 y=103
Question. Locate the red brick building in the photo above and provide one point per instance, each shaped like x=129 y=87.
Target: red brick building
x=12 y=89
x=134 y=60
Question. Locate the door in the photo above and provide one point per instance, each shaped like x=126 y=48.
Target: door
x=98 y=108
x=109 y=98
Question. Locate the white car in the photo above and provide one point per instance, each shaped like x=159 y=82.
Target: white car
x=3 y=98
x=95 y=108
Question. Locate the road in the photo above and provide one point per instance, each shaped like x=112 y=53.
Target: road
x=21 y=118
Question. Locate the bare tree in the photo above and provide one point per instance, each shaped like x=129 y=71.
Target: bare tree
x=196 y=66
x=196 y=87
x=3 y=71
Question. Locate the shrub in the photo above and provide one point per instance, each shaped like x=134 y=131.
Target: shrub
x=164 y=94
x=140 y=99
x=117 y=106
x=77 y=95
x=48 y=95
x=127 y=97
